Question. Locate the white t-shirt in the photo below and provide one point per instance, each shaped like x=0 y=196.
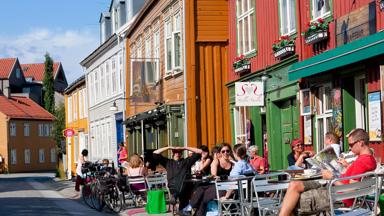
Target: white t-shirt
x=79 y=165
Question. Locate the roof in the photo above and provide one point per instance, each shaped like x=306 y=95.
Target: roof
x=6 y=66
x=141 y=15
x=23 y=108
x=78 y=82
x=36 y=71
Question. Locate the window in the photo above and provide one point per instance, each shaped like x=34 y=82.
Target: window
x=139 y=48
x=240 y=120
x=69 y=117
x=90 y=87
x=107 y=78
x=81 y=105
x=26 y=129
x=47 y=129
x=323 y=113
x=41 y=155
x=85 y=99
x=41 y=129
x=113 y=75
x=13 y=156
x=360 y=101
x=12 y=129
x=76 y=148
x=121 y=68
x=18 y=74
x=287 y=17
x=27 y=156
x=75 y=107
x=177 y=41
x=148 y=50
x=26 y=90
x=246 y=26
x=320 y=8
x=97 y=94
x=53 y=155
x=156 y=43
x=102 y=82
x=168 y=45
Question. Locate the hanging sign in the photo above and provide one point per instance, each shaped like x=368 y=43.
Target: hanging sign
x=69 y=132
x=249 y=94
x=374 y=115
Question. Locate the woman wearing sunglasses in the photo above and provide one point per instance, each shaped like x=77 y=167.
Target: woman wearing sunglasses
x=296 y=159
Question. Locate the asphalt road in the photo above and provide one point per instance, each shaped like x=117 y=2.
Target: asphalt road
x=35 y=194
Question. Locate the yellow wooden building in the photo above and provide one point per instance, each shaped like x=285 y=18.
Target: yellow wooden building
x=76 y=118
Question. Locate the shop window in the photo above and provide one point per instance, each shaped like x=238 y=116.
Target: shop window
x=287 y=17
x=321 y=8
x=241 y=114
x=246 y=26
x=323 y=113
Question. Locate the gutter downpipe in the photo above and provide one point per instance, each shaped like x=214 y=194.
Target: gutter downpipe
x=185 y=81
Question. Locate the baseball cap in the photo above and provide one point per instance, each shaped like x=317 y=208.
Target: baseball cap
x=295 y=142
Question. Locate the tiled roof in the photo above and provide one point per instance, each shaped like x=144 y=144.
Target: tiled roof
x=6 y=65
x=23 y=108
x=36 y=71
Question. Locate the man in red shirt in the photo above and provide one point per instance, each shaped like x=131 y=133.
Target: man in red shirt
x=358 y=141
x=258 y=163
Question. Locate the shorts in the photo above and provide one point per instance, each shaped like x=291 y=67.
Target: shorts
x=314 y=199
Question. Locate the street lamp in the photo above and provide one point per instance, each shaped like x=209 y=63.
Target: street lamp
x=114 y=107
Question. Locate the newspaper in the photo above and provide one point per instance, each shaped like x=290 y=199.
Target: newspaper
x=327 y=159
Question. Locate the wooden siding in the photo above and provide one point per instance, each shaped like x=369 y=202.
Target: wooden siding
x=267 y=31
x=33 y=142
x=211 y=20
x=4 y=142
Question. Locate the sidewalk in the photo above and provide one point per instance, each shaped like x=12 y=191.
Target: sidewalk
x=67 y=189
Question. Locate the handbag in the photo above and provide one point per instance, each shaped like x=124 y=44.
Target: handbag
x=156 y=203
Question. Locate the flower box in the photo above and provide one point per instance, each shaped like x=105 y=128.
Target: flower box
x=243 y=68
x=284 y=51
x=316 y=37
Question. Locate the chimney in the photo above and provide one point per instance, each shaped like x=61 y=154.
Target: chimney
x=6 y=89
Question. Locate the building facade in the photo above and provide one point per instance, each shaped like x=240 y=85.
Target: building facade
x=176 y=70
x=26 y=144
x=76 y=106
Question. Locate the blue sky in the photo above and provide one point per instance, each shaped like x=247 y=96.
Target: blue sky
x=67 y=29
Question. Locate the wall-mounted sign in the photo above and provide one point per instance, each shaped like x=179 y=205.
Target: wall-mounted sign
x=305 y=102
x=374 y=116
x=69 y=132
x=307 y=130
x=357 y=24
x=249 y=94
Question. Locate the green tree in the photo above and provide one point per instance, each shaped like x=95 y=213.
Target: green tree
x=48 y=85
x=57 y=133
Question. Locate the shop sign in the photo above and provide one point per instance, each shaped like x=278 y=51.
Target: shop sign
x=69 y=132
x=249 y=93
x=374 y=115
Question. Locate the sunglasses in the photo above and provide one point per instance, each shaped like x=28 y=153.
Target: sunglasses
x=223 y=151
x=353 y=143
x=299 y=145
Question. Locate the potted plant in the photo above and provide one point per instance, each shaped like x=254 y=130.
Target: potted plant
x=283 y=47
x=316 y=31
x=241 y=64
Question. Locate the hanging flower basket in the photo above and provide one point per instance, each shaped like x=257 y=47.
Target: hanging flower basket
x=283 y=47
x=241 y=64
x=316 y=32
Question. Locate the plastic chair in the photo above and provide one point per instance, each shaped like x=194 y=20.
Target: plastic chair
x=269 y=184
x=232 y=206
x=369 y=185
x=137 y=187
x=158 y=182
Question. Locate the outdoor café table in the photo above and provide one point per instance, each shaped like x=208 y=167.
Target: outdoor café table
x=240 y=189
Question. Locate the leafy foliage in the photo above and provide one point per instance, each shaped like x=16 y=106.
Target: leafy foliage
x=240 y=61
x=48 y=85
x=58 y=127
x=318 y=25
x=284 y=40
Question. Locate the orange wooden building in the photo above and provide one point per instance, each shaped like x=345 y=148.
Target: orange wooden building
x=176 y=71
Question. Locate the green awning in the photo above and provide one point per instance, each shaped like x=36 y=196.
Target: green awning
x=353 y=52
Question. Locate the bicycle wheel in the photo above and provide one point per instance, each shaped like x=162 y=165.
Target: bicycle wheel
x=86 y=193
x=98 y=198
x=114 y=199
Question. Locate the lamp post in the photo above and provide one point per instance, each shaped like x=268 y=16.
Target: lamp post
x=114 y=107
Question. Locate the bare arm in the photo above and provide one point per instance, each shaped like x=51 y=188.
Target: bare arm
x=205 y=164
x=214 y=167
x=194 y=150
x=160 y=150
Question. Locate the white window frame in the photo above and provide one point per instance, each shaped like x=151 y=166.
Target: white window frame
x=76 y=151
x=53 y=155
x=176 y=30
x=41 y=155
x=26 y=129
x=324 y=115
x=240 y=123
x=168 y=36
x=41 y=130
x=81 y=111
x=360 y=108
x=107 y=78
x=47 y=130
x=139 y=48
x=241 y=16
x=12 y=129
x=323 y=13
x=121 y=71
x=13 y=157
x=113 y=74
x=90 y=86
x=147 y=45
x=85 y=102
x=97 y=88
x=285 y=21
x=103 y=92
x=27 y=156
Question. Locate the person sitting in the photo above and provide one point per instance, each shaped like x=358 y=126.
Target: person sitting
x=202 y=167
x=221 y=166
x=79 y=179
x=258 y=163
x=178 y=169
x=358 y=141
x=296 y=159
x=331 y=139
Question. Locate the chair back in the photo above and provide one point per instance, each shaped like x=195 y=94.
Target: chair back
x=157 y=181
x=368 y=185
x=136 y=183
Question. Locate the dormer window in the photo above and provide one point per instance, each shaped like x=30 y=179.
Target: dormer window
x=18 y=74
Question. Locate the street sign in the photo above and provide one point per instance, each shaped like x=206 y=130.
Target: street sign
x=69 y=132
